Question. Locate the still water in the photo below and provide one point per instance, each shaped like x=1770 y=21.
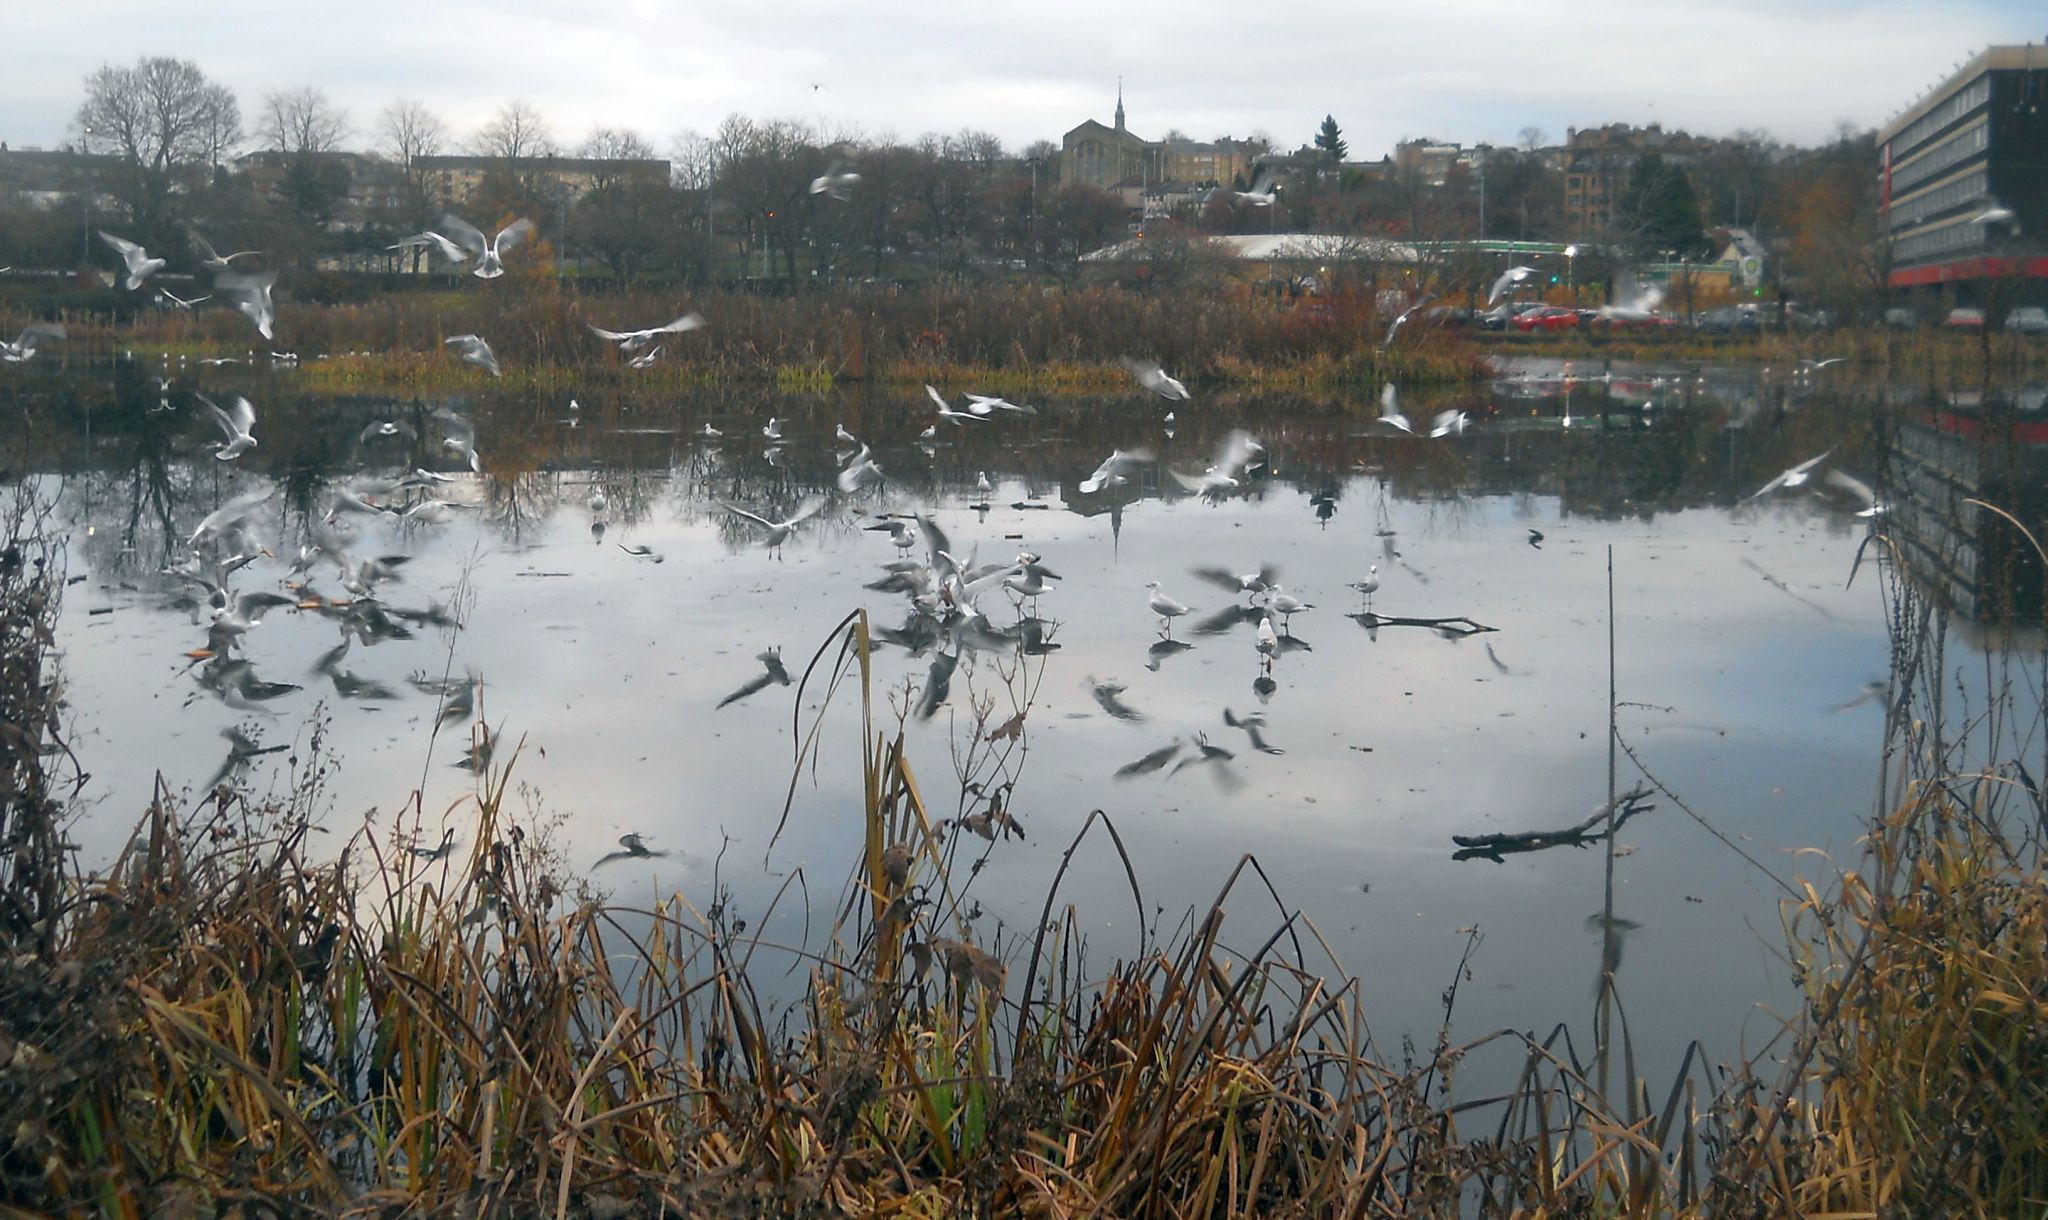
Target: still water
x=1742 y=656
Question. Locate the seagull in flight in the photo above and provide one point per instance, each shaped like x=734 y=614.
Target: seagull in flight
x=251 y=295
x=836 y=182
x=1111 y=472
x=947 y=413
x=778 y=531
x=488 y=253
x=860 y=471
x=475 y=351
x=448 y=250
x=1857 y=488
x=1795 y=477
x=633 y=340
x=214 y=260
x=236 y=421
x=165 y=296
x=1154 y=378
x=1508 y=279
x=32 y=335
x=140 y=265
x=1390 y=410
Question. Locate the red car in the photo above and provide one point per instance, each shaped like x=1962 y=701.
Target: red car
x=1547 y=317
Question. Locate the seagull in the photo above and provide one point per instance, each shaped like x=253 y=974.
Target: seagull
x=843 y=436
x=597 y=501
x=946 y=411
x=859 y=472
x=32 y=335
x=710 y=433
x=165 y=296
x=475 y=351
x=1230 y=582
x=778 y=531
x=1252 y=726
x=1286 y=605
x=836 y=182
x=774 y=674
x=1237 y=454
x=634 y=848
x=251 y=295
x=487 y=253
x=646 y=359
x=214 y=260
x=1269 y=641
x=448 y=250
x=140 y=265
x=1815 y=366
x=1264 y=193
x=641 y=552
x=1857 y=488
x=1448 y=423
x=1795 y=477
x=1165 y=607
x=386 y=427
x=1507 y=280
x=1536 y=539
x=1154 y=378
x=982 y=487
x=458 y=435
x=634 y=340
x=899 y=532
x=1150 y=762
x=1390 y=410
x=773 y=429
x=1111 y=472
x=1370 y=585
x=1401 y=319
x=236 y=422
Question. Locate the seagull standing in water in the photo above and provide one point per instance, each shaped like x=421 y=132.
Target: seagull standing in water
x=1370 y=585
x=1165 y=607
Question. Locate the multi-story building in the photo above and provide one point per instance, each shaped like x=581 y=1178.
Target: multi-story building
x=1964 y=180
x=1596 y=163
x=454 y=179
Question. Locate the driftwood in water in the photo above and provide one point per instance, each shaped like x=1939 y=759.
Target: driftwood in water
x=1458 y=625
x=1493 y=847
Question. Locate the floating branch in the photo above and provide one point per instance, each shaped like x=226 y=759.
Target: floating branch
x=1493 y=847
x=1455 y=626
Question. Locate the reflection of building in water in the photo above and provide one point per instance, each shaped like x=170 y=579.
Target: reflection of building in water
x=1974 y=559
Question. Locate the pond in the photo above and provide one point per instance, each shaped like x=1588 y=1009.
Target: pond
x=620 y=649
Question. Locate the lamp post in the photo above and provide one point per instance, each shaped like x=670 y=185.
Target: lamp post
x=1571 y=282
x=2007 y=225
x=1273 y=212
x=85 y=200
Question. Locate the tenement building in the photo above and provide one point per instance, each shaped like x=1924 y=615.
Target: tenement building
x=1964 y=183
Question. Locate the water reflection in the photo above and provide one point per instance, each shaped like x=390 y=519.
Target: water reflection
x=651 y=667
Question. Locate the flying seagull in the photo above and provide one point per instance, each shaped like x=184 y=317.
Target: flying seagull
x=251 y=295
x=634 y=340
x=140 y=265
x=236 y=421
x=474 y=350
x=779 y=531
x=773 y=674
x=488 y=254
x=1154 y=378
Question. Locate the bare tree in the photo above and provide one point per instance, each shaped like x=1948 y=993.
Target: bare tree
x=517 y=133
x=1532 y=138
x=166 y=122
x=302 y=121
x=410 y=134
x=619 y=147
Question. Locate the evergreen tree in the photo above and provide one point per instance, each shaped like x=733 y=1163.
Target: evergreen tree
x=1658 y=210
x=1330 y=138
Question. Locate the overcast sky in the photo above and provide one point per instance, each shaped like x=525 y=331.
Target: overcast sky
x=1468 y=71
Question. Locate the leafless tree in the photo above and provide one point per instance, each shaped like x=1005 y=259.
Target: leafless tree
x=1532 y=138
x=410 y=134
x=517 y=133
x=302 y=122
x=617 y=149
x=166 y=122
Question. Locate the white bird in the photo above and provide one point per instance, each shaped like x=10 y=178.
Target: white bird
x=859 y=472
x=1508 y=279
x=475 y=351
x=32 y=335
x=214 y=260
x=229 y=517
x=982 y=487
x=458 y=435
x=251 y=295
x=1154 y=378
x=1401 y=319
x=634 y=340
x=1448 y=423
x=711 y=433
x=899 y=532
x=1859 y=489
x=1269 y=640
x=843 y=436
x=1165 y=607
x=1265 y=191
x=1233 y=583
x=837 y=181
x=946 y=411
x=1284 y=604
x=1390 y=410
x=448 y=250
x=1795 y=477
x=489 y=254
x=1370 y=585
x=140 y=265
x=773 y=429
x=646 y=359
x=1234 y=456
x=778 y=531
x=166 y=297
x=597 y=501
x=1111 y=472
x=236 y=422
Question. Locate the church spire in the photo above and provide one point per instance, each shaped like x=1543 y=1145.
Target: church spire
x=1119 y=103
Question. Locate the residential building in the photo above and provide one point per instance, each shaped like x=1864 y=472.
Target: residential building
x=1964 y=179
x=34 y=178
x=454 y=179
x=1596 y=161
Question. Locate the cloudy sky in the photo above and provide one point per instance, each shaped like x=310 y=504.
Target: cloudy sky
x=1469 y=71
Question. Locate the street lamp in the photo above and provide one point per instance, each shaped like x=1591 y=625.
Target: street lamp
x=2008 y=225
x=1571 y=283
x=85 y=200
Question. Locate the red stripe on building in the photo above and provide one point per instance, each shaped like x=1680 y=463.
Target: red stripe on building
x=1983 y=268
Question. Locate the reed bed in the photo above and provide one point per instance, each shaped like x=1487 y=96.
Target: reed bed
x=1020 y=336
x=228 y=1022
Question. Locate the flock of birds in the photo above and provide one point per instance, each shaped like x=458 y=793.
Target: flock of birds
x=945 y=587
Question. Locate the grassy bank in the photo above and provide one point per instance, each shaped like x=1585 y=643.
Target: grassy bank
x=1005 y=337
x=224 y=1024
x=1930 y=355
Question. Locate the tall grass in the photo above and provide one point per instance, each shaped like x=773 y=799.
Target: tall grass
x=227 y=1019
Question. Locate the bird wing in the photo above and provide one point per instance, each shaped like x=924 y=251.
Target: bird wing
x=807 y=509
x=752 y=687
x=241 y=414
x=688 y=322
x=615 y=336
x=938 y=398
x=207 y=253
x=935 y=539
x=756 y=518
x=131 y=253
x=511 y=235
x=1853 y=485
x=463 y=234
x=1236 y=451
x=1222 y=579
x=226 y=422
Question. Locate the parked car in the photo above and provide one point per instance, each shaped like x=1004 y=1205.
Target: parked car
x=1900 y=318
x=1451 y=316
x=1499 y=316
x=1727 y=320
x=1964 y=317
x=1547 y=317
x=2028 y=320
